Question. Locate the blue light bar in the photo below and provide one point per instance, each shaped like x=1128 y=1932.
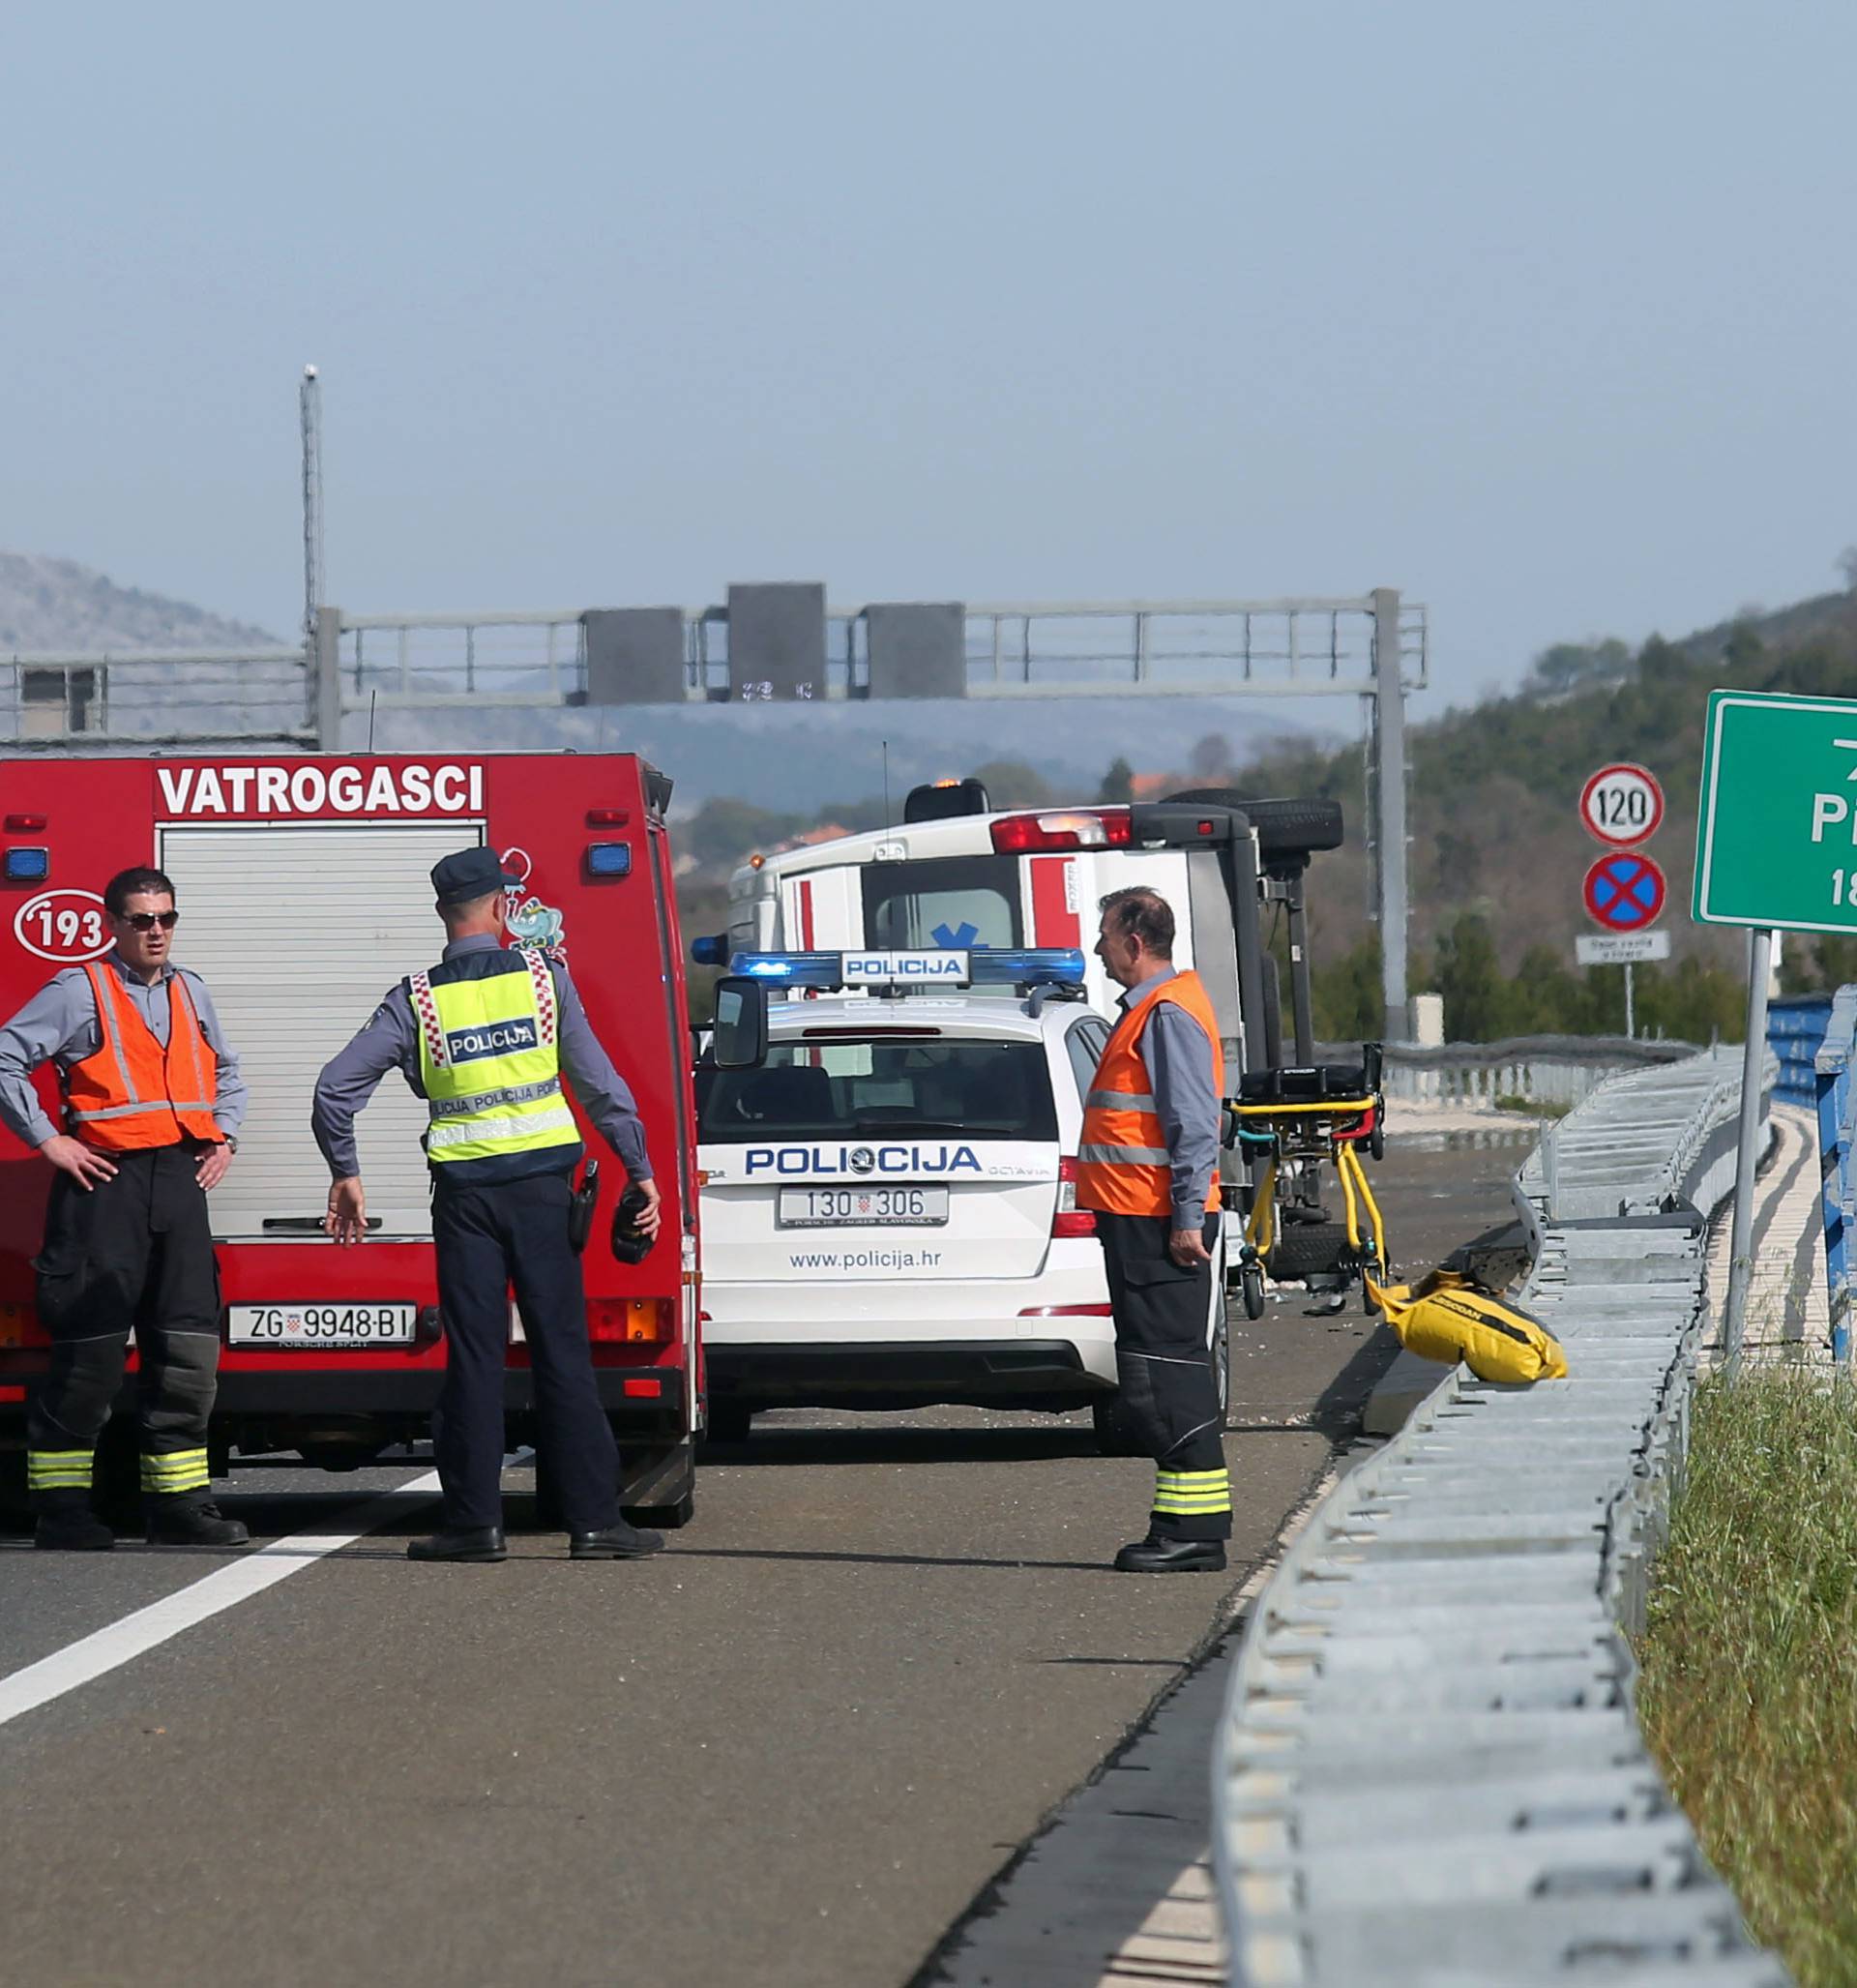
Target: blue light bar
x=1035 y=966
x=790 y=969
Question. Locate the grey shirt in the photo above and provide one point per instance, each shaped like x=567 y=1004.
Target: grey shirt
x=391 y=1042
x=1178 y=1053
x=59 y=1025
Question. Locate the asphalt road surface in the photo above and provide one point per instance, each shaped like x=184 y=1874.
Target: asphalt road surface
x=791 y=1750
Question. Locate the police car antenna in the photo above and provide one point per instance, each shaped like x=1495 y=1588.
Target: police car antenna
x=885 y=744
x=374 y=706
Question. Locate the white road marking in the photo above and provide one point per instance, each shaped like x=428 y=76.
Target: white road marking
x=122 y=1642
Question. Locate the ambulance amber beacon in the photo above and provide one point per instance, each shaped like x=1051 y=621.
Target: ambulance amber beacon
x=1148 y=1165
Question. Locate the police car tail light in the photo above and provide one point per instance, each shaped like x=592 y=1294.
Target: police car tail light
x=1070 y=1219
x=631 y=1320
x=1066 y=829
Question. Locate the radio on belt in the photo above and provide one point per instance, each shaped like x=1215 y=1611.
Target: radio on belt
x=898 y=972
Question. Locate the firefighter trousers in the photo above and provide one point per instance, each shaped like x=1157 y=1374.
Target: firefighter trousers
x=135 y=1250
x=488 y=1238
x=1169 y=1400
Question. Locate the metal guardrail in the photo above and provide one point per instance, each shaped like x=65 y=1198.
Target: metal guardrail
x=1795 y=1028
x=1430 y=1769
x=138 y=698
x=1530 y=1069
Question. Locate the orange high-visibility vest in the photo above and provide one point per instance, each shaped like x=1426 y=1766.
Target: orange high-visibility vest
x=133 y=1093
x=1122 y=1162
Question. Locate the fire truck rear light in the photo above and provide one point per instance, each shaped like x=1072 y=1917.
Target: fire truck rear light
x=608 y=859
x=641 y=1390
x=1065 y=829
x=19 y=1326
x=608 y=818
x=13 y=1394
x=632 y=1320
x=28 y=866
x=24 y=824
x=1070 y=1220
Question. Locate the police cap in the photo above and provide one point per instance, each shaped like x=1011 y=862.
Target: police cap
x=471 y=874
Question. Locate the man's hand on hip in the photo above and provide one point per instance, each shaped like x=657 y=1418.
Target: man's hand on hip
x=1188 y=1248
x=210 y=1168
x=347 y=1217
x=652 y=1213
x=73 y=1157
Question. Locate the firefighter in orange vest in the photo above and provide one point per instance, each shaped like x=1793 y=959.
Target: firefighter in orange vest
x=152 y=1101
x=1148 y=1165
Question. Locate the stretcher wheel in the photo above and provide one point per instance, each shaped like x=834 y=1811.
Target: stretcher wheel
x=1309 y=1249
x=1251 y=1285
x=1377 y=1138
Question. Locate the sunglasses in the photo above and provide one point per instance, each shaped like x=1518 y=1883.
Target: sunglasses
x=146 y=921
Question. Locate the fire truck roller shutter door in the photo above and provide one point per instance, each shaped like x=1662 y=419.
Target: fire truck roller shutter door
x=300 y=931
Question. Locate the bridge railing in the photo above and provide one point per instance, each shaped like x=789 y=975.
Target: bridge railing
x=137 y=698
x=1551 y=1070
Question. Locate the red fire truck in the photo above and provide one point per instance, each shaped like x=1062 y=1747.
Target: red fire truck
x=304 y=895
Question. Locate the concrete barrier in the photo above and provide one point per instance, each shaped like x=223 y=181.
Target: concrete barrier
x=1428 y=1768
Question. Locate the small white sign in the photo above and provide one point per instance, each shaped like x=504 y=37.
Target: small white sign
x=904 y=969
x=1621 y=948
x=1622 y=804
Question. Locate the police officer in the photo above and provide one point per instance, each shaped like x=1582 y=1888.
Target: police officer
x=152 y=1103
x=483 y=1037
x=1148 y=1165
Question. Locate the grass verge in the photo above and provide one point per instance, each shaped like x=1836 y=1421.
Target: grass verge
x=1748 y=1691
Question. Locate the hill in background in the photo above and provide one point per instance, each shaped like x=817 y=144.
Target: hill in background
x=56 y=604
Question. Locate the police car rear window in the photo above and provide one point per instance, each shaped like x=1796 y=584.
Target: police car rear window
x=952 y=1086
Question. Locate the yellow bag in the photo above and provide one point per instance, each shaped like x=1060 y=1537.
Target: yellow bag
x=1444 y=1317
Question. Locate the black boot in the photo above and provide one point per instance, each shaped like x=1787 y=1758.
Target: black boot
x=1171 y=1556
x=66 y=1523
x=190 y=1518
x=615 y=1542
x=460 y=1543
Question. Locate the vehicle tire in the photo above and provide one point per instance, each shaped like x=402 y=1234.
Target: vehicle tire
x=1114 y=1438
x=1284 y=827
x=673 y=1499
x=1251 y=1280
x=116 y=1492
x=16 y=1506
x=729 y=1421
x=1309 y=1249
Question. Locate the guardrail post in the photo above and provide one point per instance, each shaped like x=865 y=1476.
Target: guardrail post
x=1746 y=1158
x=1389 y=739
x=326 y=662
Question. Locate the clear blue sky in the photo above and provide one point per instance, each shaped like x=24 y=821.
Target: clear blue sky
x=1542 y=312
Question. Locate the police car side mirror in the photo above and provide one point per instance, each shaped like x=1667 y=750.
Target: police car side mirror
x=739 y=1039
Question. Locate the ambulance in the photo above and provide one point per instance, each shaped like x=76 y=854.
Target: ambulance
x=304 y=892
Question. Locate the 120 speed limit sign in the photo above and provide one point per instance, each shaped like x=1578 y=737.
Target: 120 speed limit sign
x=1622 y=805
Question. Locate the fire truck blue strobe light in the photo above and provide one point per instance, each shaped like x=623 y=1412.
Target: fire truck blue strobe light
x=828 y=972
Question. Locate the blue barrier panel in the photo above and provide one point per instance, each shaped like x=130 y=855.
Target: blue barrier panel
x=1795 y=1028
x=1837 y=1105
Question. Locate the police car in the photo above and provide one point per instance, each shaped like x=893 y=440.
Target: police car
x=889 y=1198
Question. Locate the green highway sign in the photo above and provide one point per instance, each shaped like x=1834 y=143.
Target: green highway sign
x=1776 y=832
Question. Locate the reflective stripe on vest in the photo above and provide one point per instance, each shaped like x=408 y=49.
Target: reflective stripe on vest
x=490 y=1064
x=1122 y=1166
x=130 y=1093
